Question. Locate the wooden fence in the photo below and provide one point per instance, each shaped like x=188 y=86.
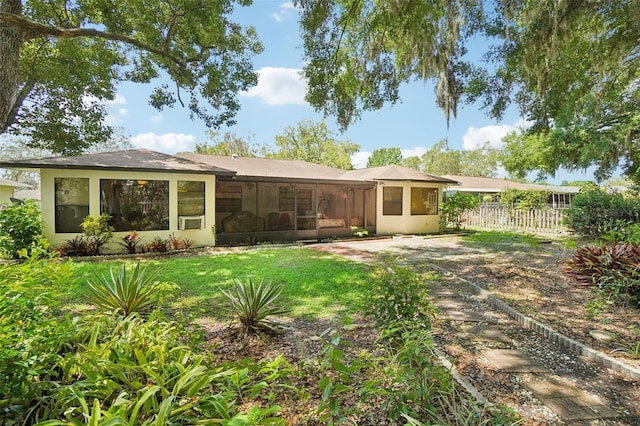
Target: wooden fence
x=539 y=221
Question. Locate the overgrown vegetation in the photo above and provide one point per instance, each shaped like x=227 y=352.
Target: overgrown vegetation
x=610 y=264
x=20 y=228
x=96 y=232
x=595 y=212
x=520 y=199
x=120 y=368
x=453 y=209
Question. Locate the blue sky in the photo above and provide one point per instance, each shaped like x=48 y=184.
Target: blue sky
x=413 y=125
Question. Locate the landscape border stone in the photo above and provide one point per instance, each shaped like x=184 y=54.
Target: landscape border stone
x=573 y=345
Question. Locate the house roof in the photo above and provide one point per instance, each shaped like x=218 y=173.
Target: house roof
x=395 y=172
x=130 y=160
x=27 y=194
x=7 y=182
x=486 y=184
x=250 y=167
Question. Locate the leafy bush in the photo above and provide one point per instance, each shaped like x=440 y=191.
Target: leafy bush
x=595 y=212
x=454 y=207
x=130 y=242
x=400 y=297
x=624 y=233
x=127 y=292
x=177 y=243
x=96 y=233
x=157 y=245
x=521 y=199
x=20 y=227
x=32 y=331
x=254 y=303
x=612 y=268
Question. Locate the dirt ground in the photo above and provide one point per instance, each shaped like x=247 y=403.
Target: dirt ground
x=527 y=278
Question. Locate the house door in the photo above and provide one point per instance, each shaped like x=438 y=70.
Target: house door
x=306 y=211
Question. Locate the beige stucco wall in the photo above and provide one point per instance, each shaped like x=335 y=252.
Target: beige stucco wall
x=406 y=223
x=199 y=237
x=6 y=192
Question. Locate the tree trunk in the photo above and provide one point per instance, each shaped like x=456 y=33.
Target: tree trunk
x=11 y=40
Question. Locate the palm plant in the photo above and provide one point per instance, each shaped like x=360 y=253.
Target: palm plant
x=253 y=303
x=126 y=292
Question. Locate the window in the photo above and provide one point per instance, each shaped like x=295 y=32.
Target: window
x=424 y=201
x=392 y=201
x=191 y=204
x=287 y=199
x=140 y=205
x=228 y=198
x=72 y=203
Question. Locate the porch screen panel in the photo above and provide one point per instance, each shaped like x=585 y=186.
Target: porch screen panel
x=424 y=201
x=269 y=206
x=332 y=206
x=71 y=203
x=392 y=201
x=140 y=205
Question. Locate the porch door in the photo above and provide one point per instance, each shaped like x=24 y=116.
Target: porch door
x=306 y=212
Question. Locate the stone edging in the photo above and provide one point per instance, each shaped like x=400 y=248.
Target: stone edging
x=573 y=345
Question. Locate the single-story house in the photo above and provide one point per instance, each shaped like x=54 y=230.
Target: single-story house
x=8 y=188
x=214 y=199
x=489 y=189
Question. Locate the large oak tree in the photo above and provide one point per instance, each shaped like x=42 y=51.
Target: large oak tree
x=60 y=59
x=572 y=67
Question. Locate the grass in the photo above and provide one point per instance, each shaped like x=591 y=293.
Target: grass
x=315 y=284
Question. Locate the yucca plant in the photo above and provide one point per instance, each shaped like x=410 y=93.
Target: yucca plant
x=126 y=292
x=254 y=303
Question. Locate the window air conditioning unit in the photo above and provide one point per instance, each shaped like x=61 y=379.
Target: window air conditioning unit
x=190 y=222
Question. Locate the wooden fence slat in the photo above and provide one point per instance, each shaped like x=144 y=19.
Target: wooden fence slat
x=549 y=221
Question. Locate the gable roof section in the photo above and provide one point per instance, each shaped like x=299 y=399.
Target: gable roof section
x=250 y=167
x=486 y=184
x=7 y=182
x=141 y=160
x=395 y=172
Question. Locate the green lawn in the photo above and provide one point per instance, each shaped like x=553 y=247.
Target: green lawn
x=316 y=284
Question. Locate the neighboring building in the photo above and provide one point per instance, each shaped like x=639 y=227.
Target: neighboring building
x=489 y=189
x=210 y=199
x=8 y=188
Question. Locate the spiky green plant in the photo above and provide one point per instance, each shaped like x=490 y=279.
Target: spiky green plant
x=255 y=303
x=125 y=291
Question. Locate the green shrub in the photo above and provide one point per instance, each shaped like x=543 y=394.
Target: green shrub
x=20 y=228
x=157 y=245
x=614 y=269
x=255 y=303
x=595 y=212
x=454 y=207
x=32 y=332
x=127 y=292
x=399 y=296
x=524 y=199
x=131 y=371
x=130 y=242
x=96 y=233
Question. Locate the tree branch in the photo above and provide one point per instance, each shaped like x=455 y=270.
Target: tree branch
x=34 y=30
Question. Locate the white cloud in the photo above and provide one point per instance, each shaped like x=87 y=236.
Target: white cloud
x=359 y=159
x=476 y=137
x=285 y=12
x=417 y=151
x=169 y=143
x=156 y=118
x=279 y=86
x=117 y=100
